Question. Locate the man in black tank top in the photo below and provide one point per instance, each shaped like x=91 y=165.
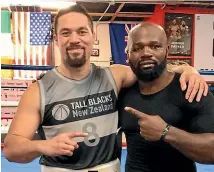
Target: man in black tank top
x=75 y=101
x=164 y=132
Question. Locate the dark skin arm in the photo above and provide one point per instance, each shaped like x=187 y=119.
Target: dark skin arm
x=198 y=144
x=198 y=147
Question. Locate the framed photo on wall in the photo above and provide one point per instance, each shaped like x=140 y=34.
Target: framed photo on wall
x=179 y=32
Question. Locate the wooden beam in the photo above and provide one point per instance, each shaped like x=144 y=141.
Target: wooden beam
x=124 y=14
x=133 y=15
x=191 y=3
x=118 y=10
x=100 y=14
x=138 y=13
x=119 y=14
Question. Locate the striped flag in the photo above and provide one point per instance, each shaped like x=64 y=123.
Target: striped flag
x=6 y=43
x=31 y=32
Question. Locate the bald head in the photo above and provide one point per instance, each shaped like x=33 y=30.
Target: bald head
x=147 y=51
x=148 y=30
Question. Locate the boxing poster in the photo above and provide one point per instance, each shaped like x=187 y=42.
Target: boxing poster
x=179 y=32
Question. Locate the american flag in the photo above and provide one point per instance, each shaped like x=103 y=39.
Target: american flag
x=31 y=35
x=40 y=27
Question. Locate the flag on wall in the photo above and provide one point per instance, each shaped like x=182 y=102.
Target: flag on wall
x=118 y=38
x=5 y=33
x=31 y=34
x=6 y=43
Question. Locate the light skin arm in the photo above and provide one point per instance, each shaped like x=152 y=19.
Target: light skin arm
x=195 y=82
x=18 y=144
x=124 y=77
x=181 y=68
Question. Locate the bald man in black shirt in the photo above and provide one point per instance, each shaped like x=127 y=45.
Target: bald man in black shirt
x=164 y=132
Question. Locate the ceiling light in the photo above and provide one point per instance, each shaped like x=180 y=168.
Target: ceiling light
x=42 y=3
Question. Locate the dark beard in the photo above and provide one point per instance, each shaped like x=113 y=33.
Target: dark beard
x=149 y=75
x=76 y=63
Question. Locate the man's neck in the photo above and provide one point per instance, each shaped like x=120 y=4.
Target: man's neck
x=75 y=73
x=156 y=85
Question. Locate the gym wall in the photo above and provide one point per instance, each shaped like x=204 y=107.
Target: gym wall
x=204 y=43
x=202 y=55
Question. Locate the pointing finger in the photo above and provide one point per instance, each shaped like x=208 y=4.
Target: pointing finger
x=80 y=134
x=135 y=112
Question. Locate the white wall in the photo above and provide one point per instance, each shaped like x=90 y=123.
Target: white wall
x=203 y=50
x=104 y=46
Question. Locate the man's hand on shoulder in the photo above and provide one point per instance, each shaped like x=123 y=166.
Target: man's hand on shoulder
x=196 y=86
x=192 y=79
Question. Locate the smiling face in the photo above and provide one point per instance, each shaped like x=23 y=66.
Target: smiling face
x=147 y=51
x=74 y=38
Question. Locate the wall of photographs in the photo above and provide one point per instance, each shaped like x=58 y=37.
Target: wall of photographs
x=180 y=24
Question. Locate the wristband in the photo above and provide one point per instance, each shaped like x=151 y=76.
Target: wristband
x=165 y=131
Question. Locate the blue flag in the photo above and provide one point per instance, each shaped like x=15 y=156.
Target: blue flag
x=118 y=39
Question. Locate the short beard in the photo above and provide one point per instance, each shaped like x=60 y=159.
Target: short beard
x=149 y=75
x=77 y=62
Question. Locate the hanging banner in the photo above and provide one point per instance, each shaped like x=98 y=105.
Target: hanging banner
x=118 y=38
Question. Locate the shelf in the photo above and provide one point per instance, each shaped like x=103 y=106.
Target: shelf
x=9 y=103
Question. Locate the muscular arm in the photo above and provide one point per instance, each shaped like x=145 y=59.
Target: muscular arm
x=198 y=147
x=181 y=68
x=124 y=77
x=18 y=144
x=198 y=143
